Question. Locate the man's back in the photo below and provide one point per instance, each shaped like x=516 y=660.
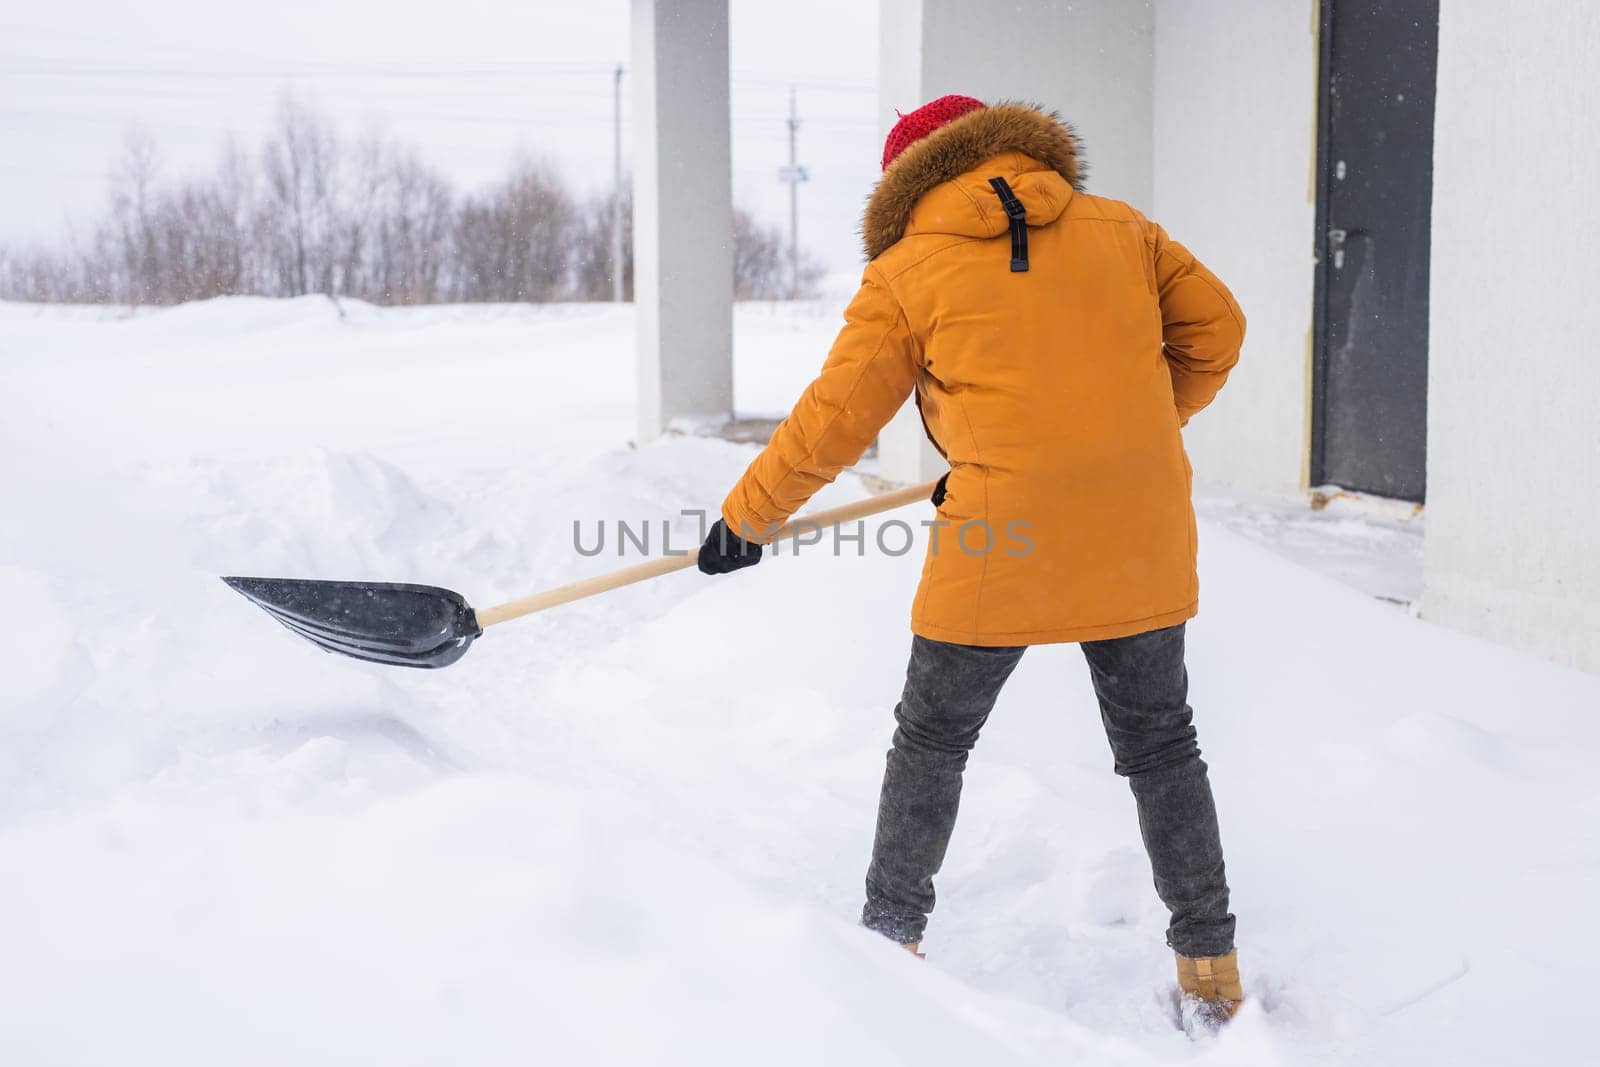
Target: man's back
x=1052 y=367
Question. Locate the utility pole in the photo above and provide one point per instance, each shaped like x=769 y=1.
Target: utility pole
x=616 y=188
x=794 y=201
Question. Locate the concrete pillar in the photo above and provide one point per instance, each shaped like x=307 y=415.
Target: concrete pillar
x=1091 y=60
x=682 y=213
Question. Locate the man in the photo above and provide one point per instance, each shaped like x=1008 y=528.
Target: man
x=1055 y=342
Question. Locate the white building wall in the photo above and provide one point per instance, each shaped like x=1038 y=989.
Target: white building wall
x=1235 y=156
x=1513 y=514
x=1090 y=60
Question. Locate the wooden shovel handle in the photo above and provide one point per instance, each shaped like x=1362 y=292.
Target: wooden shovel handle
x=655 y=568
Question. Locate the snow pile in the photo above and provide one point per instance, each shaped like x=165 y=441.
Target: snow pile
x=634 y=829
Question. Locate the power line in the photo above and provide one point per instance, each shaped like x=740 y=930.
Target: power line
x=62 y=67
x=784 y=81
x=272 y=73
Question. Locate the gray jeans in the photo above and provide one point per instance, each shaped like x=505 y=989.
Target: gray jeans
x=1142 y=687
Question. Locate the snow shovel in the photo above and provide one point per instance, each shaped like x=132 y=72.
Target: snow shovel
x=425 y=626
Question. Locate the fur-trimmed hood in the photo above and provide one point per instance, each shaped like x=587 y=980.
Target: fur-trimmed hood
x=958 y=147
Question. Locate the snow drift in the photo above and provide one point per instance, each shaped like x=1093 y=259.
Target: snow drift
x=634 y=830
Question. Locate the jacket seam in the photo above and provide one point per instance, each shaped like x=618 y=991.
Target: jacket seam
x=1194 y=603
x=956 y=243
x=1227 y=304
x=1098 y=218
x=977 y=453
x=983 y=216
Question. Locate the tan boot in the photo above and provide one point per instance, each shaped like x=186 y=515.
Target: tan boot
x=912 y=947
x=1212 y=982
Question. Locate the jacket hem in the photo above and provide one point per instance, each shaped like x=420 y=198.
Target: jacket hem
x=1058 y=635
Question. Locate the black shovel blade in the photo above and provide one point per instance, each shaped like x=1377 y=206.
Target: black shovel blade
x=384 y=622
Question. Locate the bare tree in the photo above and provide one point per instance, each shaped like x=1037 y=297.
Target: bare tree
x=592 y=267
x=133 y=178
x=309 y=213
x=408 y=238
x=517 y=241
x=299 y=210
x=761 y=263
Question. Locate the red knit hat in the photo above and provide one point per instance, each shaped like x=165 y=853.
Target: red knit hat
x=923 y=121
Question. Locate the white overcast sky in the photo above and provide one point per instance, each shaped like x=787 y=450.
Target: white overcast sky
x=470 y=83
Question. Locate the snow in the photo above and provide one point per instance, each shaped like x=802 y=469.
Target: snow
x=1370 y=543
x=634 y=829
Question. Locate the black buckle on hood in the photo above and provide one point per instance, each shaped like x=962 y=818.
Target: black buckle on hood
x=1019 y=223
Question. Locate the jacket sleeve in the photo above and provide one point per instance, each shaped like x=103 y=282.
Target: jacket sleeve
x=1202 y=327
x=870 y=371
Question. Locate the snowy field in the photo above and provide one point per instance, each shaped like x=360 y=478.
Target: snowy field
x=634 y=830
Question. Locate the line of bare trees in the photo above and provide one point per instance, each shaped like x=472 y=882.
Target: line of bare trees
x=310 y=212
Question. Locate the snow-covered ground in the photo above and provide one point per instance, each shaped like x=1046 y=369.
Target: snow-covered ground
x=634 y=829
x=1365 y=542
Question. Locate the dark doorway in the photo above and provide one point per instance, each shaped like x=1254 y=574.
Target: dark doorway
x=1374 y=195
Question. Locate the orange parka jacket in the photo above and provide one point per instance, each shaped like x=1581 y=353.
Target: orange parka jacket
x=1056 y=393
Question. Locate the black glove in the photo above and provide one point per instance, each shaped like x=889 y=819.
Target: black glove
x=725 y=551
